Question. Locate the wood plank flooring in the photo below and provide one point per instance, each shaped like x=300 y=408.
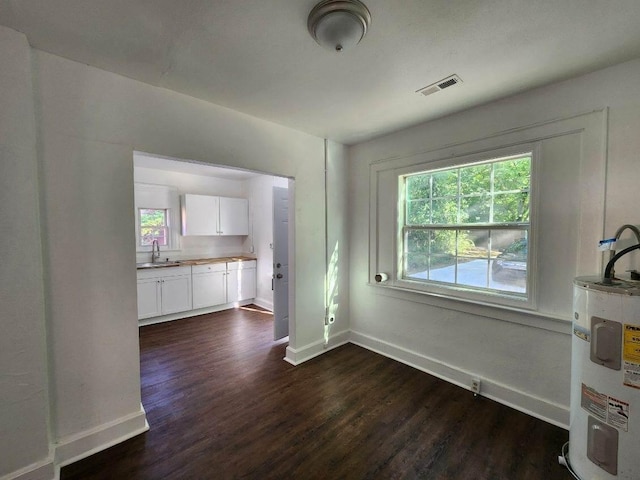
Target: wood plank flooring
x=222 y=404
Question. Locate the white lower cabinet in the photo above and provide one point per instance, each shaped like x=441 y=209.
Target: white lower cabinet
x=241 y=281
x=176 y=294
x=209 y=285
x=162 y=291
x=149 y=298
x=220 y=283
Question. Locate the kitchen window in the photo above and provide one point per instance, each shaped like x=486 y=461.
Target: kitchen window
x=154 y=226
x=156 y=213
x=467 y=228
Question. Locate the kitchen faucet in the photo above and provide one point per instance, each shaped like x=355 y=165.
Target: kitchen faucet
x=155 y=251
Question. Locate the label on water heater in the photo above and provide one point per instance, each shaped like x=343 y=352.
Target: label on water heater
x=618 y=414
x=631 y=374
x=631 y=356
x=631 y=343
x=594 y=402
x=605 y=408
x=582 y=333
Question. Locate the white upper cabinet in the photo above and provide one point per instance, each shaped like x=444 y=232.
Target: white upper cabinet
x=209 y=215
x=234 y=216
x=199 y=214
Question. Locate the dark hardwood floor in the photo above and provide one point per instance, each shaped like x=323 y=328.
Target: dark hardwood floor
x=223 y=404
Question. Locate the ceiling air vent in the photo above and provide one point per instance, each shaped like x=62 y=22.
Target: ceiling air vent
x=440 y=85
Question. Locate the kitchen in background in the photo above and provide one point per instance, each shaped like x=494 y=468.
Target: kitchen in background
x=241 y=256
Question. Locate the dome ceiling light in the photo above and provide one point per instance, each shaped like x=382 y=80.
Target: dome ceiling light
x=339 y=24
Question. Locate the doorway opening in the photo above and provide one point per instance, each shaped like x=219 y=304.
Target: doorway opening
x=161 y=184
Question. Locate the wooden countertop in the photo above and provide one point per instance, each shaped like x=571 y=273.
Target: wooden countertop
x=203 y=261
x=195 y=261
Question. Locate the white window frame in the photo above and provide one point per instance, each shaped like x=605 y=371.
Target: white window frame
x=166 y=227
x=572 y=156
x=476 y=294
x=160 y=197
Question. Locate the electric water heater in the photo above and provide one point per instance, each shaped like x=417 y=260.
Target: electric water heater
x=604 y=436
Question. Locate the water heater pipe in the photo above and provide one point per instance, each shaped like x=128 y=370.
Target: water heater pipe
x=607 y=271
x=624 y=227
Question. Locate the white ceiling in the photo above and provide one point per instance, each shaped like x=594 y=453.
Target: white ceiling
x=256 y=56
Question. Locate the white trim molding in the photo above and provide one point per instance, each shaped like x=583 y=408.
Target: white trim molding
x=193 y=313
x=584 y=136
x=83 y=444
x=44 y=470
x=312 y=350
x=545 y=410
x=263 y=303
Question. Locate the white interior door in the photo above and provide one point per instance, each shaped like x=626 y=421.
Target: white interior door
x=280 y=262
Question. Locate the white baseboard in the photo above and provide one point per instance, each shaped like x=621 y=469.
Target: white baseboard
x=80 y=445
x=550 y=412
x=301 y=355
x=263 y=303
x=44 y=470
x=192 y=313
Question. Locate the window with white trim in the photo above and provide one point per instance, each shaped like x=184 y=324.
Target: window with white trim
x=566 y=218
x=154 y=226
x=468 y=227
x=156 y=214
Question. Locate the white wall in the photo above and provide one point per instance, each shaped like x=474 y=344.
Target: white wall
x=189 y=183
x=336 y=256
x=90 y=122
x=24 y=443
x=193 y=246
x=338 y=242
x=521 y=365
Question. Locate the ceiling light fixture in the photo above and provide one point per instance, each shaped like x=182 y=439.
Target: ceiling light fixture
x=339 y=24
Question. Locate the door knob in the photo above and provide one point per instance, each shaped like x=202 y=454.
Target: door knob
x=279 y=275
x=278 y=265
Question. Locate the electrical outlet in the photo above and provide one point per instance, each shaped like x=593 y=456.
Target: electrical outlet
x=475 y=385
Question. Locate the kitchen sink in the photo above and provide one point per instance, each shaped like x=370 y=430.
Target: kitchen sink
x=157 y=264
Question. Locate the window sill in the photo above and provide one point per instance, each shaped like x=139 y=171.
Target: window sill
x=521 y=316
